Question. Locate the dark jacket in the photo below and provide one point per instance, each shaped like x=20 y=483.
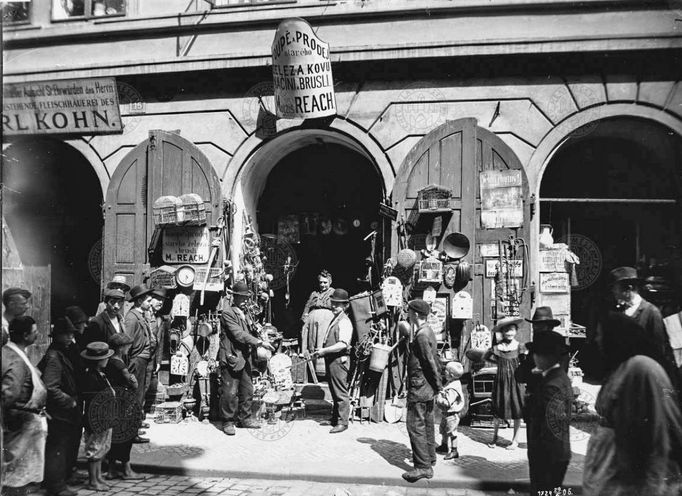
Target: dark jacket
x=548 y=415
x=235 y=341
x=98 y=395
x=60 y=376
x=423 y=367
x=137 y=327
x=100 y=328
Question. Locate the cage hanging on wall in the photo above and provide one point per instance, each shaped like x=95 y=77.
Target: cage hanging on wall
x=194 y=209
x=430 y=271
x=434 y=199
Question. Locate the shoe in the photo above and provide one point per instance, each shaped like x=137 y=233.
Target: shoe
x=144 y=425
x=140 y=440
x=338 y=428
x=418 y=473
x=443 y=448
x=453 y=454
x=512 y=446
x=249 y=424
x=228 y=428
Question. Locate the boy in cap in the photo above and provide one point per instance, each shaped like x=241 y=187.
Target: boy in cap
x=118 y=282
x=548 y=415
x=451 y=401
x=16 y=305
x=61 y=375
x=424 y=383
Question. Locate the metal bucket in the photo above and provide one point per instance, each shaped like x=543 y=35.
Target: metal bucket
x=378 y=360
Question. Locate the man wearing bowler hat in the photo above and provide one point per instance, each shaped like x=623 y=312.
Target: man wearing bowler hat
x=424 y=383
x=335 y=350
x=234 y=358
x=137 y=327
x=625 y=284
x=549 y=415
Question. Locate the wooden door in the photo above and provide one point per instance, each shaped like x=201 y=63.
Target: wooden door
x=164 y=164
x=452 y=156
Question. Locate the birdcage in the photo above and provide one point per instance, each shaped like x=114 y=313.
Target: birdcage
x=193 y=208
x=430 y=271
x=167 y=210
x=168 y=413
x=434 y=199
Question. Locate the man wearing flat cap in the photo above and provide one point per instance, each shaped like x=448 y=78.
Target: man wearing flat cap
x=234 y=358
x=335 y=350
x=16 y=301
x=548 y=415
x=137 y=327
x=117 y=282
x=106 y=323
x=424 y=383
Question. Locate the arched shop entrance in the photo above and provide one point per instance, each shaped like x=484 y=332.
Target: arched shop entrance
x=52 y=206
x=612 y=192
x=323 y=200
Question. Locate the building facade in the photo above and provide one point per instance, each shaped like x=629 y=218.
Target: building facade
x=583 y=98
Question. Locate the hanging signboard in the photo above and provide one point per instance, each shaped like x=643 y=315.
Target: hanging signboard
x=301 y=72
x=552 y=261
x=68 y=106
x=438 y=317
x=554 y=282
x=492 y=267
x=184 y=245
x=501 y=199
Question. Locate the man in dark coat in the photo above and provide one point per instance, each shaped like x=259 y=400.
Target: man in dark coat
x=625 y=290
x=234 y=358
x=548 y=415
x=60 y=375
x=137 y=327
x=106 y=323
x=424 y=383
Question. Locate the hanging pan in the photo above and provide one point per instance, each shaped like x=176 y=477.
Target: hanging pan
x=456 y=245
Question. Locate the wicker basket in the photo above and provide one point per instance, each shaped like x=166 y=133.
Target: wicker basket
x=167 y=210
x=434 y=199
x=193 y=208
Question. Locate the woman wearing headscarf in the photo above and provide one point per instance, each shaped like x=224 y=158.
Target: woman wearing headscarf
x=637 y=448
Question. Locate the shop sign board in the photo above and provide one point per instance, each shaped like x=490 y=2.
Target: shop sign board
x=552 y=261
x=388 y=212
x=501 y=198
x=554 y=282
x=68 y=106
x=186 y=245
x=163 y=277
x=301 y=72
x=492 y=266
x=489 y=250
x=214 y=282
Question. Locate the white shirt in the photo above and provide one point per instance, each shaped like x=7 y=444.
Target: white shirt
x=636 y=301
x=345 y=330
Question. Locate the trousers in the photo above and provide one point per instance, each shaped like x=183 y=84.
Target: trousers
x=421 y=429
x=338 y=387
x=61 y=453
x=140 y=369
x=236 y=394
x=545 y=475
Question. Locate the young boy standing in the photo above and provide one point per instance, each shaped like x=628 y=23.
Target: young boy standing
x=548 y=415
x=451 y=401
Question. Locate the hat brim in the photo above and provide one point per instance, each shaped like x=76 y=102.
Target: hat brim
x=96 y=359
x=633 y=280
x=554 y=322
x=143 y=293
x=558 y=351
x=336 y=300
x=502 y=325
x=118 y=285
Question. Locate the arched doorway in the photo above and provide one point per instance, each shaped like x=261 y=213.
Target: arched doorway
x=52 y=205
x=612 y=192
x=326 y=196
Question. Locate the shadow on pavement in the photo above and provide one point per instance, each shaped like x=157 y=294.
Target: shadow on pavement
x=394 y=453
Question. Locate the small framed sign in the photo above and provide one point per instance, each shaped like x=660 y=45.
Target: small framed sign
x=554 y=282
x=491 y=268
x=552 y=261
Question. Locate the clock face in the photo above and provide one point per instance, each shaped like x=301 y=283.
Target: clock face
x=185 y=276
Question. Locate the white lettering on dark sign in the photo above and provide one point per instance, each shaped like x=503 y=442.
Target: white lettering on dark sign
x=301 y=72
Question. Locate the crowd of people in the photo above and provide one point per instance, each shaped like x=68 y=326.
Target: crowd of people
x=637 y=448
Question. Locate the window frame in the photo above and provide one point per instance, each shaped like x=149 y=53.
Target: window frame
x=87 y=7
x=26 y=22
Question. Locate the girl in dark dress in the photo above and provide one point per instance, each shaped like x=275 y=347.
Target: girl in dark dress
x=507 y=395
x=125 y=384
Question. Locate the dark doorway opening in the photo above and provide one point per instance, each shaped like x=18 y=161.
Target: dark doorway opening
x=333 y=193
x=614 y=195
x=52 y=204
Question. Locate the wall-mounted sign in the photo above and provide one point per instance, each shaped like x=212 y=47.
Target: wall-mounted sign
x=163 y=277
x=489 y=250
x=388 y=212
x=492 y=267
x=554 y=282
x=182 y=245
x=438 y=317
x=501 y=198
x=301 y=72
x=69 y=106
x=552 y=261
x=214 y=282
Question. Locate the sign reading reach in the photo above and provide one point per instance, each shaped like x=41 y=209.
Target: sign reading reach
x=186 y=245
x=301 y=72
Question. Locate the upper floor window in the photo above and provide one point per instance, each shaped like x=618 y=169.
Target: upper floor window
x=16 y=12
x=74 y=9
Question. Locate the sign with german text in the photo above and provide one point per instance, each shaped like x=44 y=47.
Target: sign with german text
x=501 y=198
x=554 y=282
x=186 y=245
x=301 y=72
x=70 y=106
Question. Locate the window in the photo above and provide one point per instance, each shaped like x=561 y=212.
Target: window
x=70 y=9
x=15 y=12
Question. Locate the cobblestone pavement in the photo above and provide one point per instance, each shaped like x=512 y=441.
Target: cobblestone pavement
x=171 y=485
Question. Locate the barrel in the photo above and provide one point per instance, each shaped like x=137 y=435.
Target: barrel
x=378 y=360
